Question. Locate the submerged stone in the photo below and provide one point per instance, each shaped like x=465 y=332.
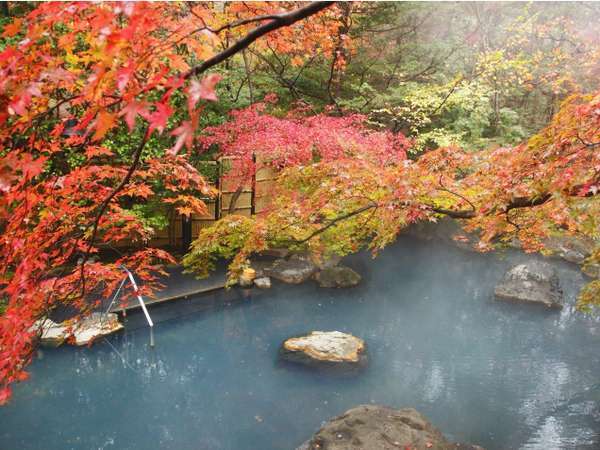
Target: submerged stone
x=337 y=277
x=324 y=346
x=373 y=427
x=534 y=282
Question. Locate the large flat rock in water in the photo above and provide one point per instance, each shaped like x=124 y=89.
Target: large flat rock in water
x=532 y=282
x=324 y=346
x=372 y=427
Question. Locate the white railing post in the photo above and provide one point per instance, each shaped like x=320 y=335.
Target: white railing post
x=140 y=300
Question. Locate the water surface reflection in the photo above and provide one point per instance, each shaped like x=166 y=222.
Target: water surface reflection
x=501 y=375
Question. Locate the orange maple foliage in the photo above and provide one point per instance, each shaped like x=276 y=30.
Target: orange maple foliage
x=79 y=72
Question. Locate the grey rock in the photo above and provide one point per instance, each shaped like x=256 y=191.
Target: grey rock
x=373 y=427
x=51 y=334
x=574 y=249
x=337 y=277
x=534 y=282
x=262 y=282
x=84 y=330
x=324 y=346
x=295 y=270
x=94 y=326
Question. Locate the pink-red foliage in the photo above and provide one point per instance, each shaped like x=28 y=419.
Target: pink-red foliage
x=299 y=139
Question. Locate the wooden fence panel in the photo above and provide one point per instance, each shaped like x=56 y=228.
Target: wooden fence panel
x=254 y=198
x=244 y=201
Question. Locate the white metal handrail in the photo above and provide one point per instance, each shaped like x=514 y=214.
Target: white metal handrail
x=139 y=297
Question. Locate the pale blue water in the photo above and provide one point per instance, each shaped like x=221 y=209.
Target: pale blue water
x=500 y=375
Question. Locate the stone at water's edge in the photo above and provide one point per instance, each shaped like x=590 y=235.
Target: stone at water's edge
x=337 y=277
x=324 y=346
x=52 y=334
x=262 y=282
x=373 y=427
x=574 y=249
x=96 y=324
x=534 y=282
x=293 y=270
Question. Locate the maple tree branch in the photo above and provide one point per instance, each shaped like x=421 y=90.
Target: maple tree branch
x=587 y=144
x=241 y=22
x=445 y=189
x=514 y=203
x=248 y=76
x=58 y=104
x=450 y=92
x=333 y=221
x=278 y=21
x=528 y=202
x=455 y=214
x=104 y=205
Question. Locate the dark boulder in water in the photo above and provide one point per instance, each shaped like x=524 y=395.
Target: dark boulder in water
x=337 y=277
x=373 y=427
x=532 y=282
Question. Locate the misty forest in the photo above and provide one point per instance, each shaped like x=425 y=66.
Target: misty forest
x=299 y=225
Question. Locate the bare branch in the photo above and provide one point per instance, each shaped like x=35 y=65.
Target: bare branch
x=278 y=21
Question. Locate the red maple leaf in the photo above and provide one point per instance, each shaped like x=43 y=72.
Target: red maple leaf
x=158 y=118
x=204 y=89
x=132 y=110
x=185 y=135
